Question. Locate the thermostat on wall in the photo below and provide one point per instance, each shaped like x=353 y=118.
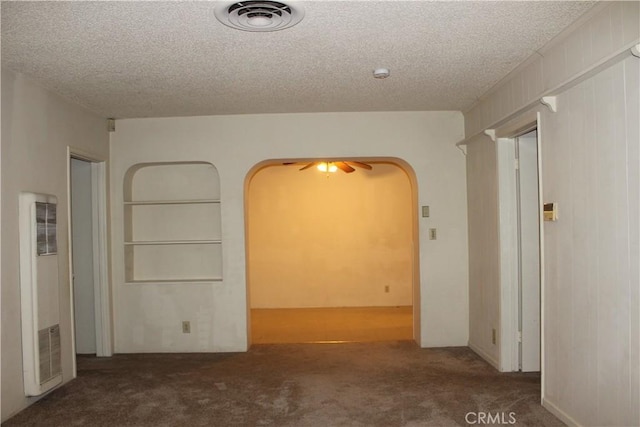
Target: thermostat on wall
x=551 y=211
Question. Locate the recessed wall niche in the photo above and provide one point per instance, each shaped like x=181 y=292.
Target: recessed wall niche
x=172 y=223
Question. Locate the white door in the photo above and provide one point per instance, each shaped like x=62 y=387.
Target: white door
x=529 y=251
x=82 y=257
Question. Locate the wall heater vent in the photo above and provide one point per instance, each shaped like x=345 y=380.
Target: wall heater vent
x=39 y=293
x=49 y=353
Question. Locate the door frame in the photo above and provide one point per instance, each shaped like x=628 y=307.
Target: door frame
x=508 y=239
x=102 y=292
x=529 y=206
x=415 y=249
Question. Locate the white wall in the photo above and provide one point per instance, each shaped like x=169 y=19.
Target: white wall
x=609 y=29
x=590 y=168
x=484 y=266
x=82 y=247
x=592 y=305
x=330 y=240
x=149 y=315
x=37 y=127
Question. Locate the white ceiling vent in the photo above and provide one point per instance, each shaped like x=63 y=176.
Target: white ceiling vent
x=258 y=15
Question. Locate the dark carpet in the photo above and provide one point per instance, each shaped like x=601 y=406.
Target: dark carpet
x=354 y=384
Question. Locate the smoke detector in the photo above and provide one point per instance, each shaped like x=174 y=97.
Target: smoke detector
x=258 y=16
x=381 y=73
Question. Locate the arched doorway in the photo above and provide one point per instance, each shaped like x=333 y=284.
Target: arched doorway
x=332 y=256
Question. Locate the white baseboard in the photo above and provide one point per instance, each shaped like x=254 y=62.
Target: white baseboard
x=563 y=416
x=492 y=361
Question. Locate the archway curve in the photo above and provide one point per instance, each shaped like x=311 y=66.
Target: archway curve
x=415 y=249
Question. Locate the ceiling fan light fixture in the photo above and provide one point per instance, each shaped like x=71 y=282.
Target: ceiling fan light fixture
x=259 y=15
x=327 y=167
x=345 y=166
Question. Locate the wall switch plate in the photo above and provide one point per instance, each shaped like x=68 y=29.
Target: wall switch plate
x=186 y=327
x=432 y=234
x=425 y=211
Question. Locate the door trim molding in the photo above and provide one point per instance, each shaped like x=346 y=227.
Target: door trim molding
x=102 y=298
x=508 y=269
x=102 y=291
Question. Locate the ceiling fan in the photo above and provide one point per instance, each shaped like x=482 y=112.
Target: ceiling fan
x=346 y=166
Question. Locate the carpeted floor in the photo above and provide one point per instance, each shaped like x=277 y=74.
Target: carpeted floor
x=354 y=384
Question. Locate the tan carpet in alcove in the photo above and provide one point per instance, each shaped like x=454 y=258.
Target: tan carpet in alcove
x=352 y=324
x=355 y=384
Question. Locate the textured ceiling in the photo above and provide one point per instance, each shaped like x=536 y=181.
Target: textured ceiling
x=153 y=59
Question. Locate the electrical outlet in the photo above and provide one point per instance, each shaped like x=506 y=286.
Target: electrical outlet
x=186 y=327
x=493 y=336
x=386 y=289
x=432 y=234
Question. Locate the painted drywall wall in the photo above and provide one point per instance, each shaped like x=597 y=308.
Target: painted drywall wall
x=590 y=159
x=330 y=239
x=82 y=247
x=484 y=266
x=37 y=128
x=149 y=315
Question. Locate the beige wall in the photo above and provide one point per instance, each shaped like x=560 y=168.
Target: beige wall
x=609 y=30
x=590 y=164
x=330 y=240
x=37 y=128
x=149 y=315
x=590 y=161
x=484 y=267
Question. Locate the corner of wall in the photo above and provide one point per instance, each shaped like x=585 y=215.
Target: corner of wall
x=37 y=129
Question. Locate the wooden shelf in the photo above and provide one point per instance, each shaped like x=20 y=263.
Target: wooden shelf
x=175 y=242
x=171 y=202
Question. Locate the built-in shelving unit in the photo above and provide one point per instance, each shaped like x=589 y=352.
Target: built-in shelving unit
x=171 y=202
x=171 y=242
x=172 y=223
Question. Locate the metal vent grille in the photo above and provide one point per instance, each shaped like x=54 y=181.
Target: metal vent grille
x=49 y=353
x=259 y=16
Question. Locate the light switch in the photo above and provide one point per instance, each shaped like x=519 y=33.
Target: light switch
x=425 y=211
x=432 y=234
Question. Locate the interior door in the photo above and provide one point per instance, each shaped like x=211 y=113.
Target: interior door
x=529 y=243
x=82 y=257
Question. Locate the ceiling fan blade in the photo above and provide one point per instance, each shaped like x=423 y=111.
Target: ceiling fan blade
x=344 y=167
x=361 y=165
x=310 y=165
